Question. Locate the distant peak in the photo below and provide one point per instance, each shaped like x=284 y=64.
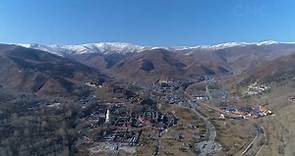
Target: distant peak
x=233 y=44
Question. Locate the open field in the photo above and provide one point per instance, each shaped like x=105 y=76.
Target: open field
x=233 y=135
x=280 y=128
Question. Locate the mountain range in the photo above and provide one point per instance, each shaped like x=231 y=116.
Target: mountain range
x=72 y=82
x=124 y=48
x=31 y=70
x=140 y=64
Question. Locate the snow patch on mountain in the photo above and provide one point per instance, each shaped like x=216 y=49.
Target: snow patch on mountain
x=232 y=44
x=104 y=48
x=125 y=48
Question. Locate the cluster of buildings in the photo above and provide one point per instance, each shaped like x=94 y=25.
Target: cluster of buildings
x=255 y=89
x=199 y=96
x=246 y=112
x=122 y=124
x=170 y=92
x=291 y=99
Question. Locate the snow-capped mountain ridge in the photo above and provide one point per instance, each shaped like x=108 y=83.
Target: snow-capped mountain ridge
x=124 y=48
x=103 y=47
x=233 y=44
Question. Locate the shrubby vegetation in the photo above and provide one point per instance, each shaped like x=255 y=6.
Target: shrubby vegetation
x=28 y=127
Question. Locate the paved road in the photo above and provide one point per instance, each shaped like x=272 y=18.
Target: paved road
x=256 y=145
x=209 y=146
x=205 y=147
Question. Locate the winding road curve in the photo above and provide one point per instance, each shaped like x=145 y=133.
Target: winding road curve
x=258 y=142
x=205 y=147
x=209 y=146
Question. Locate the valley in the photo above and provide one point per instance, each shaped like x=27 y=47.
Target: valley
x=147 y=78
x=123 y=99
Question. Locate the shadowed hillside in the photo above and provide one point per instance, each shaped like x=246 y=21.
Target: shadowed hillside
x=43 y=73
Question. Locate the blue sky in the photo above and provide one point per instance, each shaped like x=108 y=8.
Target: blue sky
x=146 y=22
